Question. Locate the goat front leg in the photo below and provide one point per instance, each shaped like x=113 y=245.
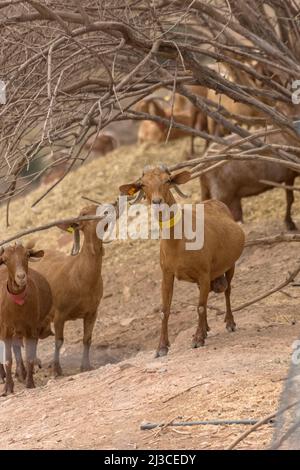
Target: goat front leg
x=9 y=383
x=229 y=320
x=167 y=294
x=59 y=341
x=88 y=326
x=20 y=367
x=202 y=329
x=30 y=357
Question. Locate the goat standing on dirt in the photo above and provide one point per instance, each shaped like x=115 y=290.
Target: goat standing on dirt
x=223 y=245
x=25 y=304
x=234 y=180
x=76 y=283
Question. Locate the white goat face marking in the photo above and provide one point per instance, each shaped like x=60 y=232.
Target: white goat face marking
x=162 y=315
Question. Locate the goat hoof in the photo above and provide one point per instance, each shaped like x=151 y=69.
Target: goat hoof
x=86 y=368
x=198 y=343
x=56 y=370
x=162 y=352
x=30 y=384
x=8 y=389
x=291 y=226
x=20 y=373
x=231 y=327
x=38 y=363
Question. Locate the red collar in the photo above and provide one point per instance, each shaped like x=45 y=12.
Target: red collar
x=18 y=299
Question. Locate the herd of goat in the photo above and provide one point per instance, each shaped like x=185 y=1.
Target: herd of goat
x=68 y=287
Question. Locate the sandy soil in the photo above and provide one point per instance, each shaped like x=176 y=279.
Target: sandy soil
x=235 y=376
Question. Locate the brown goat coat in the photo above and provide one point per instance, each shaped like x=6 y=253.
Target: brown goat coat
x=223 y=245
x=76 y=283
x=30 y=320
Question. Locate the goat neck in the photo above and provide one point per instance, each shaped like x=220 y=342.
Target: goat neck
x=92 y=245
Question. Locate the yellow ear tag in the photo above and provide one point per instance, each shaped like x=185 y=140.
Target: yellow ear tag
x=70 y=230
x=131 y=191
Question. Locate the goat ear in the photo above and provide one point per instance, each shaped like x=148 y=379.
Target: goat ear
x=1 y=260
x=181 y=178
x=129 y=189
x=67 y=227
x=36 y=255
x=30 y=244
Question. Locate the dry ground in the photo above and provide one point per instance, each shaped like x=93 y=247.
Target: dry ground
x=238 y=375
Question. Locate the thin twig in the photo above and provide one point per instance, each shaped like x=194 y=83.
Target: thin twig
x=289 y=279
x=183 y=391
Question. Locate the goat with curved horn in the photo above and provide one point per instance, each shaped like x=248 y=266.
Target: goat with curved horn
x=194 y=259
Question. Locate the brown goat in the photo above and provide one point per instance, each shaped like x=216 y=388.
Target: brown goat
x=211 y=267
x=102 y=143
x=77 y=287
x=236 y=108
x=25 y=304
x=234 y=180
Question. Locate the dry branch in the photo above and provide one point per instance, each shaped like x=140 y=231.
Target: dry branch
x=278 y=185
x=71 y=66
x=280 y=238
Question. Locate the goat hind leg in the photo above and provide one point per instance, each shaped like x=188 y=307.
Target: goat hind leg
x=167 y=294
x=88 y=326
x=229 y=320
x=202 y=329
x=59 y=341
x=290 y=224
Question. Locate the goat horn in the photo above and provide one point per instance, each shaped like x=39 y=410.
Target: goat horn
x=164 y=167
x=137 y=198
x=179 y=192
x=76 y=243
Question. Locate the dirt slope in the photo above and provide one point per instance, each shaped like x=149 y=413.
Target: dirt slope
x=237 y=375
